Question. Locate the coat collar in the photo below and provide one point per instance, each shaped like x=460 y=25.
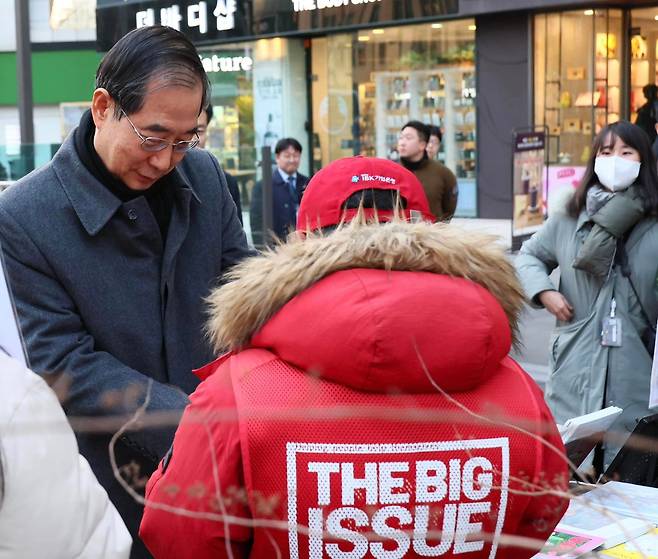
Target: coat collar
x=93 y=203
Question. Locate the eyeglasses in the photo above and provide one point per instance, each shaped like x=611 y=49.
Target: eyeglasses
x=150 y=143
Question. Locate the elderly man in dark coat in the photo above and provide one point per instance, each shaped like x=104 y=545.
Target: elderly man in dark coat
x=112 y=247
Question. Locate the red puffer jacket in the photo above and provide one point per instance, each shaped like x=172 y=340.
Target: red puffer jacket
x=372 y=412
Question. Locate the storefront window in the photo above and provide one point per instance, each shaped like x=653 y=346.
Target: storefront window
x=367 y=85
x=231 y=132
x=577 y=85
x=258 y=96
x=644 y=50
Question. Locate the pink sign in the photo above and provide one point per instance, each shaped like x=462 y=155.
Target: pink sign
x=557 y=178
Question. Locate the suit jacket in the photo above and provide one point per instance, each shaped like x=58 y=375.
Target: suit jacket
x=103 y=301
x=284 y=208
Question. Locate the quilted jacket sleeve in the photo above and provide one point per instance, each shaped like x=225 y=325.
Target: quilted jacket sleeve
x=48 y=486
x=537 y=259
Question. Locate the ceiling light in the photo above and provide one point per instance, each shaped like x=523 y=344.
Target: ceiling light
x=589 y=12
x=437 y=25
x=377 y=31
x=472 y=27
x=655 y=17
x=364 y=38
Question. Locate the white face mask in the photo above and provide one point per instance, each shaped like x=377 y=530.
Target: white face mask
x=616 y=173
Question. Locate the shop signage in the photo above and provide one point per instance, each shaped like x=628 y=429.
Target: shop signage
x=311 y=5
x=217 y=21
x=216 y=63
x=193 y=16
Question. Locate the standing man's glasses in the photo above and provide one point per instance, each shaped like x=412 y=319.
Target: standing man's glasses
x=150 y=143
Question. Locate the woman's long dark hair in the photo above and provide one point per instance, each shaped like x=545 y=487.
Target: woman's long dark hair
x=646 y=182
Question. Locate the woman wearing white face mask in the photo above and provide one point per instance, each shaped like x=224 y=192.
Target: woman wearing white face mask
x=605 y=243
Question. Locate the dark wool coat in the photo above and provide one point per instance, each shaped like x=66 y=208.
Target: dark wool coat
x=103 y=301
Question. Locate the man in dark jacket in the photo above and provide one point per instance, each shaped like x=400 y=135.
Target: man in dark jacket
x=113 y=245
x=287 y=189
x=438 y=181
x=647 y=114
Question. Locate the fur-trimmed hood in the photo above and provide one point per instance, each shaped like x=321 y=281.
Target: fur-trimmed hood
x=347 y=300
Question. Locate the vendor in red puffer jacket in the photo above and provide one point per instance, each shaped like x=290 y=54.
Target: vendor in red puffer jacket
x=367 y=407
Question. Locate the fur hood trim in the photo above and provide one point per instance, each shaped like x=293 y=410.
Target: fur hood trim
x=260 y=286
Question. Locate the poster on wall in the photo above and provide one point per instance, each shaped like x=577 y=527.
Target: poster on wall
x=528 y=177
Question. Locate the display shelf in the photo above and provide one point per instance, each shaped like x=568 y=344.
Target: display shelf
x=577 y=81
x=579 y=105
x=439 y=97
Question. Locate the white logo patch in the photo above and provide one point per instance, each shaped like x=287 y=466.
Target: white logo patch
x=402 y=494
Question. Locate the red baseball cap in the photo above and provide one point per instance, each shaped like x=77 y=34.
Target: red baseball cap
x=328 y=190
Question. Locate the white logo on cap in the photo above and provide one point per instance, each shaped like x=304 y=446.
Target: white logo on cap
x=379 y=178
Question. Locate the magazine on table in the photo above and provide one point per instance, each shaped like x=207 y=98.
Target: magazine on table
x=568 y=544
x=589 y=424
x=581 y=434
x=592 y=518
x=643 y=547
x=627 y=499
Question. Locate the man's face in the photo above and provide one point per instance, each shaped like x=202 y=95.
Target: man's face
x=288 y=160
x=433 y=146
x=203 y=129
x=410 y=145
x=169 y=112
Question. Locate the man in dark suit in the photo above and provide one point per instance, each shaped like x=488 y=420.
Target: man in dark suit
x=287 y=188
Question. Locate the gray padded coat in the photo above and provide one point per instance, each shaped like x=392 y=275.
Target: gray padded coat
x=584 y=375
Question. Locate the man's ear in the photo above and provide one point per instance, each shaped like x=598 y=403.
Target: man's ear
x=102 y=107
x=656 y=127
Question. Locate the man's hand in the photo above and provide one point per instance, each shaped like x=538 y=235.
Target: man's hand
x=556 y=304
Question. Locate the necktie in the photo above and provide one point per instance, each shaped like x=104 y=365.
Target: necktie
x=293 y=191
